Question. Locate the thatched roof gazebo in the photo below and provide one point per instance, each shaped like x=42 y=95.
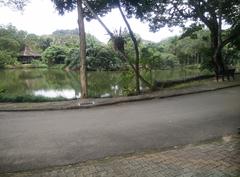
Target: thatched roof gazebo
x=28 y=55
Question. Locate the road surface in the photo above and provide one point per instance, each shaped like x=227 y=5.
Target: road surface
x=32 y=140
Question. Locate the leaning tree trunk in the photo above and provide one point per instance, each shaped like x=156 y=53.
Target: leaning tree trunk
x=83 y=73
x=121 y=54
x=135 y=43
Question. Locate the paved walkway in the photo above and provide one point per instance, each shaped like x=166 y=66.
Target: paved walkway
x=36 y=140
x=217 y=158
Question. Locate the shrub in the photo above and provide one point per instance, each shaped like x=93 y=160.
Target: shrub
x=7 y=58
x=38 y=64
x=54 y=55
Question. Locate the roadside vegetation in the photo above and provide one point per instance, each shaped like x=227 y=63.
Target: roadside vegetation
x=27 y=98
x=60 y=51
x=204 y=44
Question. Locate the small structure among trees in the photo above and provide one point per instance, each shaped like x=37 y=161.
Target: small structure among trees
x=28 y=55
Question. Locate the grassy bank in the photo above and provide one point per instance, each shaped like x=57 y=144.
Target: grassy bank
x=18 y=93
x=25 y=66
x=27 y=98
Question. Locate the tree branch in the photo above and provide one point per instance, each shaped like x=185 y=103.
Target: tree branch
x=96 y=16
x=135 y=43
x=234 y=34
x=122 y=54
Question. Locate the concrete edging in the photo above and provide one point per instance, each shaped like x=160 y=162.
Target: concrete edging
x=155 y=97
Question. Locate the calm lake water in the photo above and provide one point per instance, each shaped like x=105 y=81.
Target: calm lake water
x=57 y=83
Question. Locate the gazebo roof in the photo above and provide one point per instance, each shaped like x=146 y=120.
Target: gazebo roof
x=28 y=52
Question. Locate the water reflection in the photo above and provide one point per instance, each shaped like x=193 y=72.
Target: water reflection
x=57 y=83
x=106 y=95
x=115 y=88
x=67 y=93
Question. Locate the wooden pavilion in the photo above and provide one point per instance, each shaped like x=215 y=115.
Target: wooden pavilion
x=28 y=55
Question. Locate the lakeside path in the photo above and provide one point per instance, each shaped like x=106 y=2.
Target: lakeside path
x=35 y=140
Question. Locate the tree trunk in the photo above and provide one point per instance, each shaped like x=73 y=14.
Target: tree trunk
x=121 y=54
x=82 y=36
x=216 y=54
x=216 y=42
x=135 y=43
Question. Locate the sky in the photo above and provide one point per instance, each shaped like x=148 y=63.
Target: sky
x=41 y=18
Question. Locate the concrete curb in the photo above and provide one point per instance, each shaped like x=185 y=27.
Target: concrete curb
x=147 y=97
x=92 y=103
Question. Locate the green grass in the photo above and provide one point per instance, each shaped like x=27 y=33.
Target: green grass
x=190 y=84
x=57 y=66
x=25 y=66
x=27 y=98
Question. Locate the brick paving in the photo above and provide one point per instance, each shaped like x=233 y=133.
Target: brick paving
x=216 y=158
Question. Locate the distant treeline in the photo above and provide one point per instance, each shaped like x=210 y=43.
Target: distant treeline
x=62 y=47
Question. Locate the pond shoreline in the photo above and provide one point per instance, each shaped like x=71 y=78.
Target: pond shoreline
x=25 y=66
x=197 y=87
x=159 y=85
x=36 y=85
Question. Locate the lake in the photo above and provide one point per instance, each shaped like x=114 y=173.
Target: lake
x=54 y=83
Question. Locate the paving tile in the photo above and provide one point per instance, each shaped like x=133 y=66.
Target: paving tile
x=219 y=158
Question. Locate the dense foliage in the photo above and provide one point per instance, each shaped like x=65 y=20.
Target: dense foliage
x=62 y=47
x=11 y=43
x=210 y=39
x=210 y=13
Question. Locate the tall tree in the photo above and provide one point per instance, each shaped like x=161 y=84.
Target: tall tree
x=212 y=13
x=102 y=7
x=69 y=5
x=136 y=48
x=83 y=74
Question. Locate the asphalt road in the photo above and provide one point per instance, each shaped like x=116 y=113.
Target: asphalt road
x=31 y=140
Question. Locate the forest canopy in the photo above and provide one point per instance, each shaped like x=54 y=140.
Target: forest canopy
x=61 y=47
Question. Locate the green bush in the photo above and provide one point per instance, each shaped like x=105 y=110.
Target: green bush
x=2 y=91
x=169 y=60
x=38 y=64
x=54 y=55
x=207 y=65
x=98 y=58
x=72 y=60
x=7 y=58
